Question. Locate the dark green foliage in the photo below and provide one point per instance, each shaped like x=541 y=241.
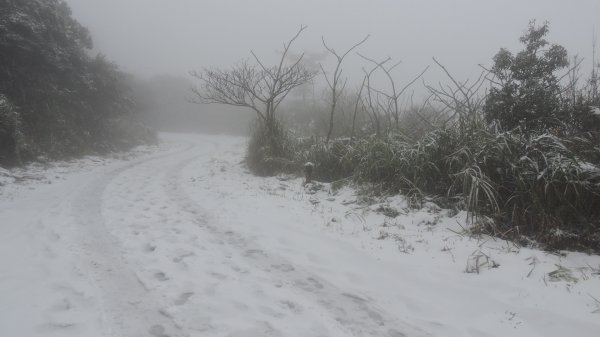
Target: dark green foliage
x=10 y=135
x=527 y=93
x=67 y=103
x=332 y=161
x=407 y=166
x=544 y=187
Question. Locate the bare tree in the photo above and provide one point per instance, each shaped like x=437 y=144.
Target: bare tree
x=393 y=109
x=371 y=101
x=357 y=106
x=334 y=82
x=368 y=101
x=254 y=86
x=464 y=100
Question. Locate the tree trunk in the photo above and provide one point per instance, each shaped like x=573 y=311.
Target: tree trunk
x=330 y=124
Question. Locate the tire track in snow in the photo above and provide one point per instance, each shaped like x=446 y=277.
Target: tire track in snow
x=357 y=315
x=129 y=308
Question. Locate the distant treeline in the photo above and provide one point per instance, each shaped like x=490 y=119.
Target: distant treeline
x=55 y=99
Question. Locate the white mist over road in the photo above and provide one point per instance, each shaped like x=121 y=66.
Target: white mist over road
x=180 y=240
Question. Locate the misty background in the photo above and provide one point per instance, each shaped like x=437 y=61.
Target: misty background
x=161 y=41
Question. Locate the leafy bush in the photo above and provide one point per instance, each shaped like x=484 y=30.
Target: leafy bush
x=528 y=92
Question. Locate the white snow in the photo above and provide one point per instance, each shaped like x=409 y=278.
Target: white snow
x=180 y=240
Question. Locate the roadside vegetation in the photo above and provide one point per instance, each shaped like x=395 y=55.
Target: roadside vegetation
x=518 y=147
x=56 y=99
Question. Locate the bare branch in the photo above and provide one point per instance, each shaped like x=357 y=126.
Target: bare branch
x=413 y=81
x=462 y=98
x=257 y=87
x=395 y=95
x=334 y=82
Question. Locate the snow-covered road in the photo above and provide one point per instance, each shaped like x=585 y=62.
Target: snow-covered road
x=181 y=241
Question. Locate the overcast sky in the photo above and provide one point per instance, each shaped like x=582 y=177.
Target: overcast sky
x=149 y=37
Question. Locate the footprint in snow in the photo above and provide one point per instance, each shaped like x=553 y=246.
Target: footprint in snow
x=254 y=253
x=262 y=329
x=158 y=331
x=395 y=333
x=292 y=306
x=161 y=276
x=286 y=268
x=183 y=298
x=314 y=283
x=218 y=276
x=355 y=298
x=182 y=256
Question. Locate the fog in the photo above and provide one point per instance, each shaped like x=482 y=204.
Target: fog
x=307 y=202
x=167 y=104
x=157 y=37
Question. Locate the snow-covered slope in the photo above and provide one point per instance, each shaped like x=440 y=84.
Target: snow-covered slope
x=180 y=240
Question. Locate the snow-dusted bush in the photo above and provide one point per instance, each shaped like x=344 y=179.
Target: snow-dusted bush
x=332 y=160
x=271 y=151
x=513 y=184
x=526 y=92
x=548 y=187
x=10 y=132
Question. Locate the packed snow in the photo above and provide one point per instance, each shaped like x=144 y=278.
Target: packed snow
x=181 y=240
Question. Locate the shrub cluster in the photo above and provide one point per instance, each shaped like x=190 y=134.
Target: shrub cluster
x=270 y=150
x=519 y=186
x=524 y=160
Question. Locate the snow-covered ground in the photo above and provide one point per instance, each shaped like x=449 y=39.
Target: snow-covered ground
x=180 y=240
